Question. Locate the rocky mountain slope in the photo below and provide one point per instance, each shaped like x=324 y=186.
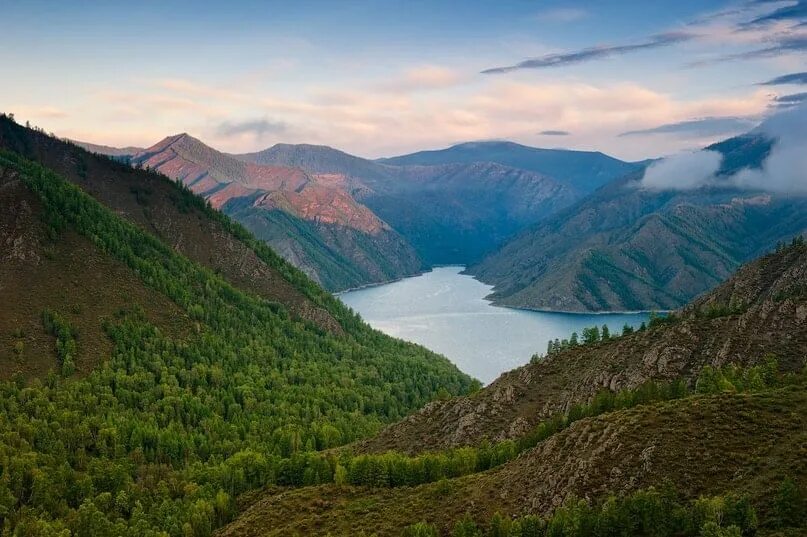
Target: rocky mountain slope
x=313 y=222
x=761 y=310
x=450 y=212
x=179 y=219
x=630 y=248
x=583 y=171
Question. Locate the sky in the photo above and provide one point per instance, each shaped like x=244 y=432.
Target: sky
x=381 y=78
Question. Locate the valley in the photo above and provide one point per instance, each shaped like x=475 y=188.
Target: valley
x=376 y=268
x=231 y=395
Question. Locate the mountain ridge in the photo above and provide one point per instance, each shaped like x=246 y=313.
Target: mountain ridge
x=582 y=170
x=450 y=212
x=602 y=253
x=328 y=234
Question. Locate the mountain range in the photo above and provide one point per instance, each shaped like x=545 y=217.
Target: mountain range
x=348 y=221
x=311 y=221
x=163 y=371
x=549 y=229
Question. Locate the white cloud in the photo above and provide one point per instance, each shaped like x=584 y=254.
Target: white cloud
x=783 y=171
x=684 y=171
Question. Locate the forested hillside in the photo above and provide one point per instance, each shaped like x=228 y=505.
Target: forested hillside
x=185 y=413
x=183 y=221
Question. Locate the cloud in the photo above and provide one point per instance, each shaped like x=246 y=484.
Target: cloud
x=595 y=53
x=794 y=12
x=782 y=171
x=554 y=133
x=255 y=127
x=793 y=78
x=562 y=14
x=794 y=99
x=685 y=171
x=708 y=126
x=793 y=42
x=774 y=31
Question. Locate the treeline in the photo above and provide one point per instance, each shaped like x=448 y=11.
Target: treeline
x=160 y=438
x=396 y=470
x=650 y=512
x=596 y=334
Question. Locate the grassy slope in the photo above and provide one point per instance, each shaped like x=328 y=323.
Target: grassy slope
x=337 y=256
x=703 y=445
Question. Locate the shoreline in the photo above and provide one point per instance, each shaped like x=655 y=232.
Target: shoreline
x=571 y=312
x=378 y=284
x=493 y=303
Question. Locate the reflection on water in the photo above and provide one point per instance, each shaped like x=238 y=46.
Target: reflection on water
x=446 y=311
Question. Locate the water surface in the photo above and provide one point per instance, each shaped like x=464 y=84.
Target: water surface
x=446 y=311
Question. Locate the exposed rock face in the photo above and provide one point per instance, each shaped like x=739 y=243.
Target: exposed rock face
x=762 y=309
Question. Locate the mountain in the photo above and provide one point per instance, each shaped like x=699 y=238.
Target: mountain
x=710 y=452
x=630 y=248
x=164 y=209
x=167 y=360
x=108 y=150
x=312 y=222
x=682 y=428
x=450 y=213
x=583 y=171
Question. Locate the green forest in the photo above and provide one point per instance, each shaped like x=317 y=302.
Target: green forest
x=163 y=436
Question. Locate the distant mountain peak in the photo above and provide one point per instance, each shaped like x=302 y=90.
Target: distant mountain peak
x=584 y=171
